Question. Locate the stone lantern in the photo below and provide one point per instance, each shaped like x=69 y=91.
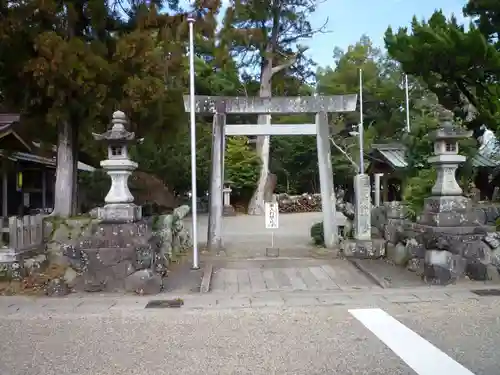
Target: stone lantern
x=228 y=210
x=446 y=158
x=119 y=207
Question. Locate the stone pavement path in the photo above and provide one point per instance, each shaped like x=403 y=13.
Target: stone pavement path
x=254 y=276
x=246 y=236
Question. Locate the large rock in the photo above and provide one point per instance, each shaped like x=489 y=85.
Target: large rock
x=443 y=267
x=415 y=249
x=487 y=213
x=70 y=276
x=144 y=282
x=58 y=232
x=416 y=265
x=393 y=230
x=398 y=253
x=369 y=249
x=379 y=217
x=480 y=271
x=476 y=251
x=57 y=288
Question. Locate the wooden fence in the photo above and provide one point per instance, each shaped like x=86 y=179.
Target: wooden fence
x=22 y=233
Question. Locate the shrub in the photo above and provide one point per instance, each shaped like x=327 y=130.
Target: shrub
x=417 y=189
x=317 y=234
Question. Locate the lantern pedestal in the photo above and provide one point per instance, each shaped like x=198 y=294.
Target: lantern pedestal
x=120 y=213
x=119 y=206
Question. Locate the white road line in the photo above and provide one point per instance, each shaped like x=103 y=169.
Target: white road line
x=423 y=357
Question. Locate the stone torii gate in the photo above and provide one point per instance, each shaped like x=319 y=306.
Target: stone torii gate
x=319 y=105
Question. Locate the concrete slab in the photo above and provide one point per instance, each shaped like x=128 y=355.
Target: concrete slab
x=207 y=278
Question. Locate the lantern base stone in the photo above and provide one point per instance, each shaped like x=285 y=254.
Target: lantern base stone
x=120 y=213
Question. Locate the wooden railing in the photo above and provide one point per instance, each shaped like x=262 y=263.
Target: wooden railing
x=22 y=233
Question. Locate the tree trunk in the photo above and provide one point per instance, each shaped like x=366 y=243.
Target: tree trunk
x=63 y=191
x=75 y=139
x=256 y=204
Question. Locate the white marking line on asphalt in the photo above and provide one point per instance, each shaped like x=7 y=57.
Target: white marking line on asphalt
x=423 y=357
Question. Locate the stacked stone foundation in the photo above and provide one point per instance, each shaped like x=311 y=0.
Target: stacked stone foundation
x=119 y=257
x=468 y=248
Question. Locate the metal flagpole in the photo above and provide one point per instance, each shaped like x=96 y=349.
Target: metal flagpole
x=194 y=194
x=407 y=97
x=361 y=126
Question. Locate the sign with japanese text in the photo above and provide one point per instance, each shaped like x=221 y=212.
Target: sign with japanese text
x=272 y=215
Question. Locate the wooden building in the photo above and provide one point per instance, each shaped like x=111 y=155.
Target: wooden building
x=390 y=159
x=28 y=172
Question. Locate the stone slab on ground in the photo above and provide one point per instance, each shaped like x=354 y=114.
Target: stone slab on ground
x=181 y=278
x=388 y=275
x=363 y=249
x=255 y=276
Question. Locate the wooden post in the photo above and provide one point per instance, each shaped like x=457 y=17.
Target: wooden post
x=5 y=196
x=26 y=225
x=328 y=199
x=377 y=188
x=44 y=189
x=13 y=232
x=385 y=184
x=216 y=182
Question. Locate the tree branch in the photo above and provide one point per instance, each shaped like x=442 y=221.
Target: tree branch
x=292 y=60
x=345 y=154
x=308 y=34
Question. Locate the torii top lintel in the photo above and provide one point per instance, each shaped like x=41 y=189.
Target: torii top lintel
x=276 y=104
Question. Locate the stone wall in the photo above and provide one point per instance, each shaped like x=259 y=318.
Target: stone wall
x=131 y=257
x=58 y=232
x=90 y=256
x=445 y=254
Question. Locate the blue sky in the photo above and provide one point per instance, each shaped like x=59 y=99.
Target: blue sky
x=350 y=19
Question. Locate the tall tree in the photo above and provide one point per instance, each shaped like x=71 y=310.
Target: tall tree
x=383 y=102
x=462 y=67
x=75 y=62
x=266 y=35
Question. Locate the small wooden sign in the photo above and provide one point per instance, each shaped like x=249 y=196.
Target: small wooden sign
x=272 y=215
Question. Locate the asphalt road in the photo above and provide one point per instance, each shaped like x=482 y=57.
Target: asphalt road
x=269 y=340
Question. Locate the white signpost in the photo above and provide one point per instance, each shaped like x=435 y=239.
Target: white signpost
x=272 y=218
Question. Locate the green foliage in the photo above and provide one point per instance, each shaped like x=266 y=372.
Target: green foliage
x=168 y=156
x=71 y=74
x=317 y=234
x=460 y=67
x=420 y=176
x=262 y=33
x=241 y=166
x=383 y=94
x=418 y=187
x=93 y=188
x=294 y=160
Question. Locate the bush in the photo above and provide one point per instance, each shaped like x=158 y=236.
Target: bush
x=417 y=189
x=317 y=234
